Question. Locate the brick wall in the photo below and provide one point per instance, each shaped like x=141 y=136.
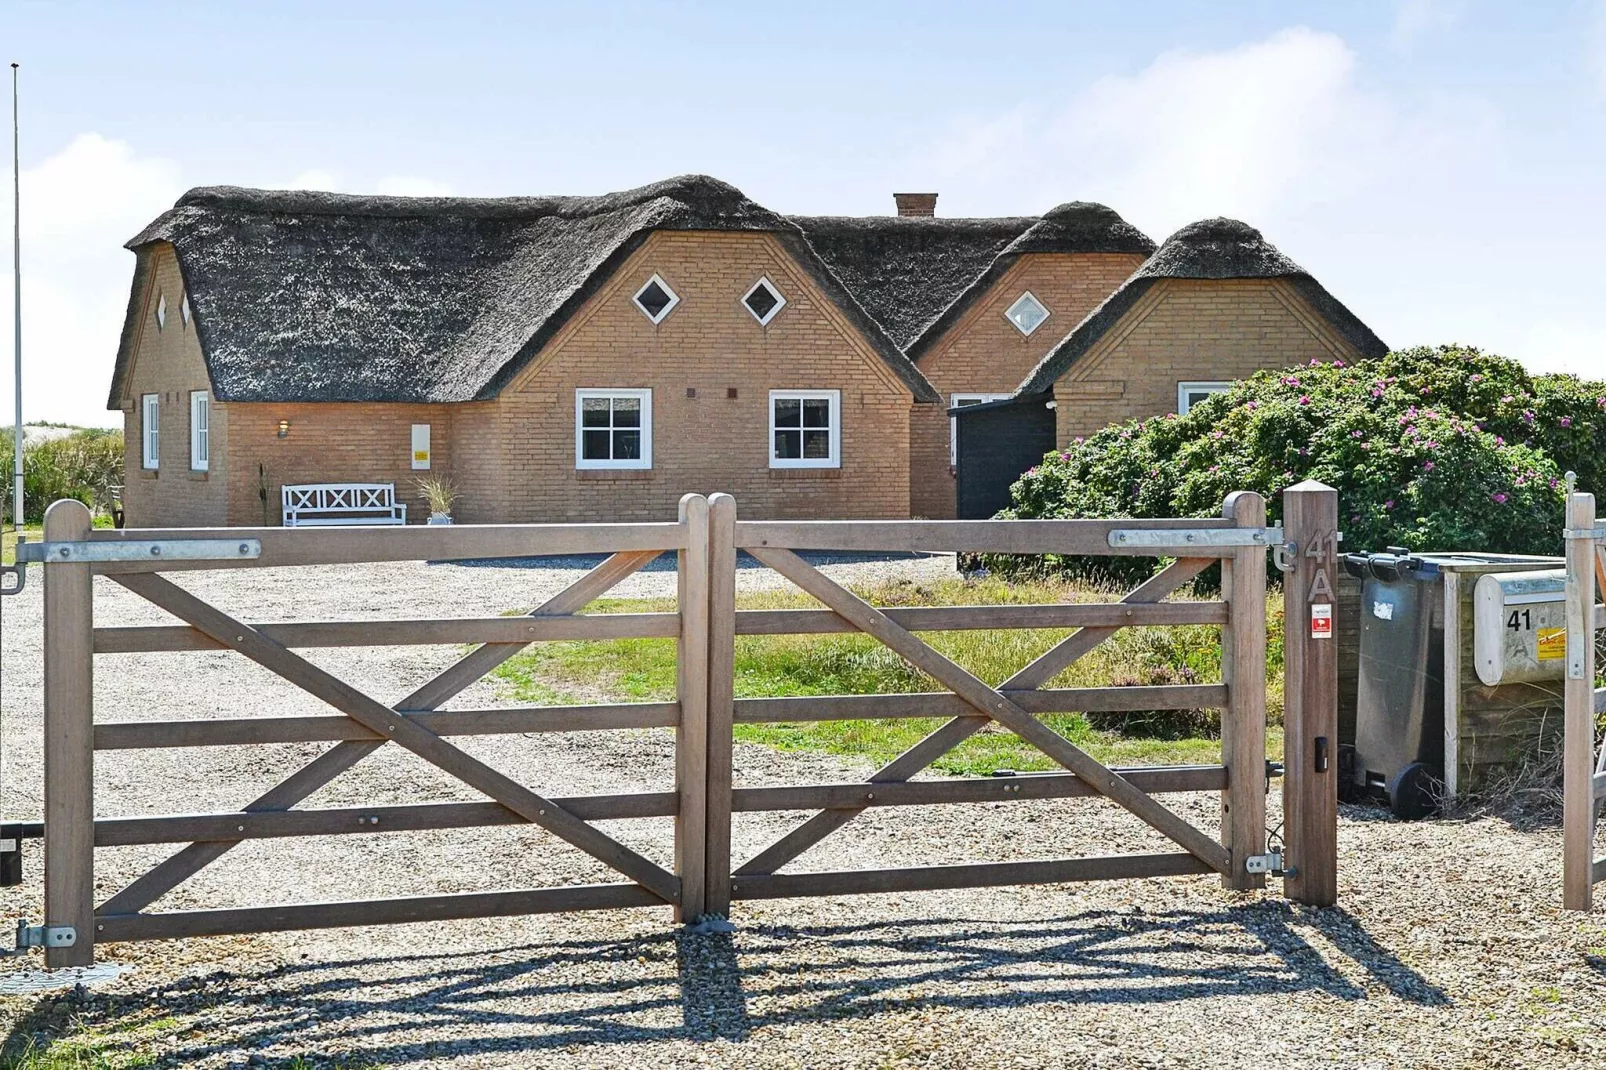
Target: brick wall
x=516 y=455
x=331 y=443
x=168 y=363
x=1189 y=330
x=984 y=353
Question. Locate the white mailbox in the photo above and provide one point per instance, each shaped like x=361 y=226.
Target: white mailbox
x=1519 y=626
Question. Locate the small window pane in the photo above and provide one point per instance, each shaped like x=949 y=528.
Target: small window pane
x=789 y=445
x=817 y=445
x=816 y=412
x=788 y=412
x=595 y=445
x=761 y=301
x=1027 y=313
x=653 y=299
x=594 y=412
x=627 y=412
x=627 y=445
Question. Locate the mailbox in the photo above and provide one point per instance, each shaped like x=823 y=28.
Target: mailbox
x=1519 y=626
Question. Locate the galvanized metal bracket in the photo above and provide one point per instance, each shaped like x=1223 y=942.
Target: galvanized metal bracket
x=45 y=935
x=1165 y=539
x=13 y=570
x=1271 y=864
x=59 y=553
x=1597 y=534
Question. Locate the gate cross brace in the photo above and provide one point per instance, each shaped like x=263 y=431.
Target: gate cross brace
x=190 y=860
x=991 y=704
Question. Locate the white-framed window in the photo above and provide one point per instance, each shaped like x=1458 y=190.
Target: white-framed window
x=420 y=447
x=150 y=429
x=764 y=301
x=161 y=311
x=655 y=299
x=613 y=428
x=1027 y=313
x=184 y=310
x=805 y=429
x=960 y=401
x=200 y=430
x=1190 y=394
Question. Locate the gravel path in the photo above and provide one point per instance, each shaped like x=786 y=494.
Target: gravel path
x=1448 y=950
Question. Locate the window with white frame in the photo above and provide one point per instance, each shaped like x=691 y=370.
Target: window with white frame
x=184 y=310
x=655 y=299
x=1190 y=394
x=200 y=431
x=1027 y=313
x=764 y=301
x=161 y=311
x=961 y=401
x=150 y=429
x=805 y=428
x=613 y=428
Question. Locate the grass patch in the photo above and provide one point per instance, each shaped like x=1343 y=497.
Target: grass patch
x=79 y=1044
x=643 y=670
x=8 y=541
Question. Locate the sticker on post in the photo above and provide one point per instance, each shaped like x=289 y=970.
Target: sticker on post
x=1321 y=621
x=1383 y=610
x=1552 y=644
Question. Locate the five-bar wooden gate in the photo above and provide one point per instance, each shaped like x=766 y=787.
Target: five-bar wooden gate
x=703 y=879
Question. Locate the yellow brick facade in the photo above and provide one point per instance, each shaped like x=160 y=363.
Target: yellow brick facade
x=1187 y=330
x=984 y=353
x=709 y=364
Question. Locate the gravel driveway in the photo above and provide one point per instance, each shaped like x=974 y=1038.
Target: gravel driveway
x=1448 y=950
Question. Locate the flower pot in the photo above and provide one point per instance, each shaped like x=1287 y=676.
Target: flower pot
x=440 y=518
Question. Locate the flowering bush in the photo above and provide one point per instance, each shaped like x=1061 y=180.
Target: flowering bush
x=1430 y=448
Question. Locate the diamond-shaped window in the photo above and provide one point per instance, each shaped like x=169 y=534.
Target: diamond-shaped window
x=161 y=310
x=763 y=301
x=656 y=300
x=1027 y=313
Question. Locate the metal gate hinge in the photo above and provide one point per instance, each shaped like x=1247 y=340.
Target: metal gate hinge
x=1270 y=864
x=45 y=935
x=51 y=553
x=1185 y=538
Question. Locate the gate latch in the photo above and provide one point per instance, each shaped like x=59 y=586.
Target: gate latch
x=45 y=935
x=1270 y=864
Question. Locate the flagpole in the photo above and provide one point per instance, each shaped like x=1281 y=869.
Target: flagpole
x=16 y=268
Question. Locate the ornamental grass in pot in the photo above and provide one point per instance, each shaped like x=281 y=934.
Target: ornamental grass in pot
x=439 y=492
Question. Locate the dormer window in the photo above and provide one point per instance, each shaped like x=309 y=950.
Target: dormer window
x=161 y=311
x=764 y=301
x=656 y=300
x=1027 y=313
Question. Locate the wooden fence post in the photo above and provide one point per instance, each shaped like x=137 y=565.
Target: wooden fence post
x=1310 y=695
x=1243 y=722
x=691 y=689
x=69 y=754
x=1578 y=748
x=721 y=695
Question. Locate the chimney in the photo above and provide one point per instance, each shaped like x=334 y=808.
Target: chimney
x=920 y=205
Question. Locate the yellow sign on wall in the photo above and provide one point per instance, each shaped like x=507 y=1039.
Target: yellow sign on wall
x=1552 y=644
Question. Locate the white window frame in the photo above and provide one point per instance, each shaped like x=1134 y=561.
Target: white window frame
x=200 y=431
x=184 y=310
x=641 y=394
x=953 y=421
x=663 y=313
x=1209 y=386
x=1048 y=313
x=835 y=398
x=780 y=301
x=150 y=430
x=161 y=311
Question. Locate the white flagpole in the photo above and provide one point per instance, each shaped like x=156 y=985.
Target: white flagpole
x=16 y=266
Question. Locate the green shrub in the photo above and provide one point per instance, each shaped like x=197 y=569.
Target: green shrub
x=1430 y=448
x=82 y=465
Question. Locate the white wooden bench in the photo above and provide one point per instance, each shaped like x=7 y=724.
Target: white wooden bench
x=341 y=503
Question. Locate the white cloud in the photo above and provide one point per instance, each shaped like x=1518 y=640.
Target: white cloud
x=78 y=208
x=1414 y=18
x=390 y=185
x=1557 y=346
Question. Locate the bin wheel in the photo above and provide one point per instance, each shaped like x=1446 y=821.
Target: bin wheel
x=1414 y=792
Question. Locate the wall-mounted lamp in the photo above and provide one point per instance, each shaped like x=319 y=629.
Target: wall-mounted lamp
x=284 y=428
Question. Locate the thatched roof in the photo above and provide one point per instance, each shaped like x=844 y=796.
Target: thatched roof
x=1208 y=249
x=301 y=296
x=917 y=276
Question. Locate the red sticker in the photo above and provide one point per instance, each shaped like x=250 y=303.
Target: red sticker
x=1321 y=621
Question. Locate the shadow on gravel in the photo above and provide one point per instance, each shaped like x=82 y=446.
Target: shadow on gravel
x=675 y=986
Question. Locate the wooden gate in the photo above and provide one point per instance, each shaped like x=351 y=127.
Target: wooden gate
x=1584 y=770
x=706 y=539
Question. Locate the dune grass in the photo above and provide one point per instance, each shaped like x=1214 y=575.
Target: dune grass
x=643 y=670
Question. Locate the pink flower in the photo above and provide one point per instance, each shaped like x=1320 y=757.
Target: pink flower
x=1389 y=504
x=1477 y=378
x=1252 y=405
x=1339 y=364
x=1500 y=497
x=1427 y=466
x=1377 y=391
x=1499 y=441
x=1354 y=434
x=1290 y=380
x=1566 y=421
x=1304 y=399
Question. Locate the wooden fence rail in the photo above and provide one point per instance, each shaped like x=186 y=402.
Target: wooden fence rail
x=1583 y=759
x=702 y=878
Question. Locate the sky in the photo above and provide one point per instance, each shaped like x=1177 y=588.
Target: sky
x=1439 y=165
